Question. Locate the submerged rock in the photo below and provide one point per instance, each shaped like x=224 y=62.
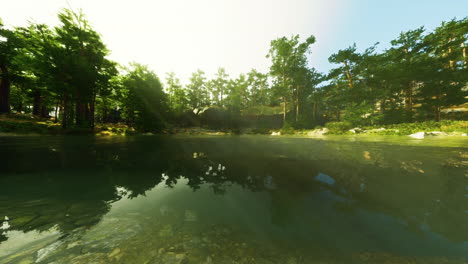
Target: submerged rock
x=166 y=231
x=74 y=244
x=171 y=258
x=292 y=260
x=190 y=216
x=115 y=253
x=269 y=183
x=208 y=260
x=174 y=258
x=5 y=225
x=164 y=210
x=321 y=177
x=45 y=252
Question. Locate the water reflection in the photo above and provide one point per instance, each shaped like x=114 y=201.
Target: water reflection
x=296 y=200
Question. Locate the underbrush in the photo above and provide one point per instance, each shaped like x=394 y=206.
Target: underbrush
x=29 y=124
x=448 y=126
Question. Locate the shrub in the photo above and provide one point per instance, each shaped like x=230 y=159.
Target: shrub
x=338 y=128
x=287 y=129
x=361 y=115
x=261 y=130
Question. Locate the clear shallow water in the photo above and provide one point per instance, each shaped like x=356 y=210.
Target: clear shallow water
x=233 y=200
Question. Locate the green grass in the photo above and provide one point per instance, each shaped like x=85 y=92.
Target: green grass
x=448 y=126
x=28 y=124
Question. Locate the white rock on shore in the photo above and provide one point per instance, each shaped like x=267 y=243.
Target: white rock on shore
x=436 y=133
x=419 y=135
x=318 y=132
x=357 y=130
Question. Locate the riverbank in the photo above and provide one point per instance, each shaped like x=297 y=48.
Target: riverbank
x=28 y=124
x=415 y=130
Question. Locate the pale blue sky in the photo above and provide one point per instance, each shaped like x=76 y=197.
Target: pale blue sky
x=370 y=21
x=184 y=35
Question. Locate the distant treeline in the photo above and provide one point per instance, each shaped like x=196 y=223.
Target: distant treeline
x=64 y=73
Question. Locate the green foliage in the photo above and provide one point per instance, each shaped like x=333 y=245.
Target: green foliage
x=361 y=114
x=338 y=128
x=26 y=125
x=418 y=76
x=145 y=104
x=262 y=110
x=427 y=126
x=65 y=70
x=293 y=81
x=261 y=131
x=177 y=95
x=218 y=87
x=10 y=68
x=259 y=92
x=215 y=117
x=287 y=129
x=197 y=91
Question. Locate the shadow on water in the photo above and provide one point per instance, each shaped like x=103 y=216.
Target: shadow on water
x=344 y=198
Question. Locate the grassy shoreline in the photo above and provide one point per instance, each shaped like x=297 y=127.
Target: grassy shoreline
x=24 y=125
x=428 y=128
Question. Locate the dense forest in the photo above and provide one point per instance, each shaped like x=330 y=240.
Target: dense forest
x=63 y=73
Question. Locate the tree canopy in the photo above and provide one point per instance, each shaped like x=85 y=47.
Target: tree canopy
x=64 y=73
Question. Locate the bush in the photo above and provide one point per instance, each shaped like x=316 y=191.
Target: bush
x=261 y=130
x=427 y=126
x=338 y=128
x=361 y=115
x=214 y=117
x=452 y=126
x=287 y=129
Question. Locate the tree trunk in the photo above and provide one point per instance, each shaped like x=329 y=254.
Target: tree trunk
x=437 y=113
x=382 y=106
x=79 y=112
x=284 y=110
x=314 y=112
x=464 y=54
x=409 y=101
x=82 y=114
x=220 y=99
x=451 y=62
x=348 y=75
x=297 y=103
x=19 y=109
x=4 y=90
x=284 y=98
x=91 y=111
x=56 y=111
x=105 y=115
x=37 y=103
x=437 y=109
x=65 y=111
x=44 y=111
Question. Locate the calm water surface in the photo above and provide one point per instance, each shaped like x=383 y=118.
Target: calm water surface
x=210 y=200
